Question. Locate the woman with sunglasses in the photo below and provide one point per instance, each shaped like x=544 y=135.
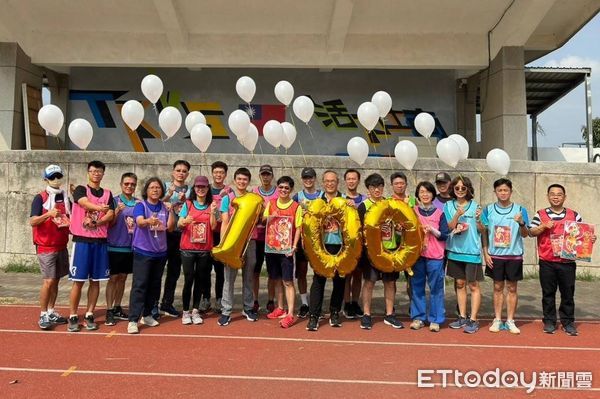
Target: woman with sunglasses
x=197 y=222
x=466 y=224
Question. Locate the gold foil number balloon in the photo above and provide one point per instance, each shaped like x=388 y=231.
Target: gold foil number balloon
x=324 y=263
x=231 y=249
x=405 y=256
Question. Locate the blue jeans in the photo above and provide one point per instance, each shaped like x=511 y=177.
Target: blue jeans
x=432 y=272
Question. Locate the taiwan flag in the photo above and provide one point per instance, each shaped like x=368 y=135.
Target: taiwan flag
x=262 y=113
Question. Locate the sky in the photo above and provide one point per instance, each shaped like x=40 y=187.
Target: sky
x=562 y=122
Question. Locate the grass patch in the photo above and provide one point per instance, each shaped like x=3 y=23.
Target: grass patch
x=22 y=267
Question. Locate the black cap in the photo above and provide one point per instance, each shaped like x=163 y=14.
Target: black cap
x=265 y=169
x=308 y=173
x=442 y=177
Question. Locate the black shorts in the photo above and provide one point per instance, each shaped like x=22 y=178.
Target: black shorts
x=120 y=262
x=260 y=256
x=280 y=266
x=464 y=270
x=505 y=269
x=372 y=274
x=300 y=255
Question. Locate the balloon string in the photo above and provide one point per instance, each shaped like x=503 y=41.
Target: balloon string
x=155 y=109
x=387 y=143
x=373 y=144
x=317 y=152
x=437 y=166
x=297 y=135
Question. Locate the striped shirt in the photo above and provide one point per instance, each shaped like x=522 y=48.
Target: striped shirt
x=536 y=221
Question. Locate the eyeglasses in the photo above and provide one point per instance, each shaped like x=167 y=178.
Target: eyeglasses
x=460 y=188
x=96 y=172
x=199 y=186
x=129 y=184
x=380 y=187
x=284 y=187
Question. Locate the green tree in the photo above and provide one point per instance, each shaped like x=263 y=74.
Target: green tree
x=595 y=132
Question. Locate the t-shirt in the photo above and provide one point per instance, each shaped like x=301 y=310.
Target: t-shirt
x=302 y=196
x=139 y=208
x=37 y=204
x=297 y=217
x=174 y=200
x=504 y=236
x=331 y=234
x=359 y=199
x=184 y=209
x=226 y=202
x=536 y=221
x=81 y=191
x=466 y=246
x=409 y=200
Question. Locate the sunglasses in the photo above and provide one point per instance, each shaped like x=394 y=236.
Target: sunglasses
x=55 y=177
x=460 y=188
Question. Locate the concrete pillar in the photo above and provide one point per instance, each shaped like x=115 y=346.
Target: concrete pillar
x=466 y=125
x=503 y=104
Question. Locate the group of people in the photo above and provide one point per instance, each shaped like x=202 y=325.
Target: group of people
x=176 y=225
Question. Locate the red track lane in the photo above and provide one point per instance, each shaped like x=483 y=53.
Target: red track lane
x=250 y=349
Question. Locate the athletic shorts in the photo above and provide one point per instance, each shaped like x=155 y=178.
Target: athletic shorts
x=89 y=261
x=464 y=270
x=280 y=266
x=372 y=274
x=505 y=269
x=120 y=262
x=54 y=264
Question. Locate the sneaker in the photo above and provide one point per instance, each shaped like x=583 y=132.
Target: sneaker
x=549 y=327
x=392 y=320
x=119 y=314
x=110 y=318
x=224 y=320
x=149 y=321
x=155 y=313
x=186 y=318
x=90 y=324
x=73 y=324
x=44 y=323
x=218 y=307
x=204 y=306
x=570 y=330
x=458 y=323
x=287 y=321
x=512 y=327
x=250 y=315
x=434 y=327
x=278 y=313
x=303 y=312
x=56 y=318
x=256 y=306
x=132 y=328
x=334 y=319
x=349 y=311
x=270 y=306
x=496 y=326
x=313 y=323
x=365 y=322
x=196 y=318
x=417 y=324
x=357 y=309
x=471 y=327
x=169 y=310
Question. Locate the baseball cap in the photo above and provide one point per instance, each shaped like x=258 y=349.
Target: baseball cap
x=308 y=172
x=201 y=181
x=442 y=177
x=52 y=170
x=265 y=169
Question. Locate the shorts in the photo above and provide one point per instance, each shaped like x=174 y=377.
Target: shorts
x=260 y=256
x=372 y=274
x=464 y=270
x=505 y=269
x=89 y=261
x=54 y=265
x=300 y=255
x=120 y=262
x=280 y=266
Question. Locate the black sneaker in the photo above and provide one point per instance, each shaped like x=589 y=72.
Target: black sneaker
x=44 y=323
x=110 y=318
x=357 y=309
x=55 y=318
x=570 y=330
x=365 y=322
x=250 y=315
x=169 y=310
x=334 y=319
x=349 y=312
x=303 y=312
x=549 y=327
x=90 y=324
x=73 y=324
x=313 y=323
x=392 y=320
x=119 y=314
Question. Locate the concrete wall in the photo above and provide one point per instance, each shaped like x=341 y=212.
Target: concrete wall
x=20 y=173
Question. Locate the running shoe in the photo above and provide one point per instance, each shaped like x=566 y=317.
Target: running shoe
x=186 y=318
x=334 y=319
x=471 y=327
x=132 y=328
x=392 y=320
x=196 y=318
x=496 y=326
x=366 y=323
x=56 y=318
x=110 y=318
x=461 y=322
x=224 y=320
x=287 y=321
x=90 y=324
x=349 y=311
x=549 y=327
x=313 y=323
x=278 y=313
x=303 y=312
x=44 y=323
x=434 y=327
x=169 y=310
x=512 y=327
x=73 y=324
x=119 y=314
x=149 y=321
x=250 y=315
x=417 y=324
x=570 y=330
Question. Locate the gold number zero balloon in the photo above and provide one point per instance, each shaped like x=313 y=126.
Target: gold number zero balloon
x=405 y=256
x=231 y=249
x=324 y=263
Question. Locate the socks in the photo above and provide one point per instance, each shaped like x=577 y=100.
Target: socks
x=50 y=311
x=88 y=314
x=42 y=313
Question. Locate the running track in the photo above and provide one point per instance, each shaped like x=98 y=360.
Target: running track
x=262 y=360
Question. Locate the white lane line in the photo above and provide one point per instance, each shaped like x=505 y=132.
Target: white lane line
x=311 y=340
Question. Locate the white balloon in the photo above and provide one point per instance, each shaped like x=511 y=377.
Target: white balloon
x=406 y=153
x=169 y=121
x=273 y=133
x=152 y=87
x=194 y=118
x=132 y=113
x=358 y=149
x=368 y=115
x=448 y=151
x=303 y=108
x=383 y=102
x=245 y=88
x=81 y=133
x=239 y=122
x=51 y=119
x=201 y=136
x=289 y=135
x=250 y=139
x=425 y=124
x=284 y=92
x=498 y=161
x=463 y=144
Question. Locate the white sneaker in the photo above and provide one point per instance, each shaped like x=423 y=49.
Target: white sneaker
x=496 y=325
x=510 y=324
x=186 y=318
x=196 y=318
x=132 y=328
x=149 y=321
